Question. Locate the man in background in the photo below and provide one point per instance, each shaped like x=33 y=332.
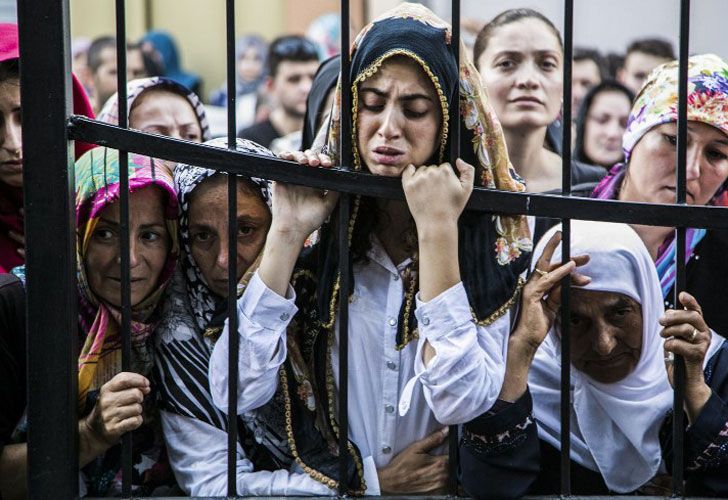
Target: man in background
x=586 y=72
x=642 y=57
x=292 y=61
x=101 y=63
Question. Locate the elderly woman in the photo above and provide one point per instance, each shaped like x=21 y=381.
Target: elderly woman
x=195 y=308
x=413 y=317
x=112 y=402
x=601 y=123
x=648 y=175
x=620 y=389
x=161 y=106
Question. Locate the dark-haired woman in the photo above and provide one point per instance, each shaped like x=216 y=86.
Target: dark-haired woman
x=12 y=233
x=601 y=123
x=521 y=57
x=426 y=341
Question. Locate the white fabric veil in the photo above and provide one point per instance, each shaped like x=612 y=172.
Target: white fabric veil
x=614 y=426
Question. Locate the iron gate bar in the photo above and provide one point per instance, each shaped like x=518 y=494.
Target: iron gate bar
x=232 y=211
x=346 y=181
x=48 y=191
x=344 y=208
x=125 y=327
x=454 y=127
x=680 y=278
x=565 y=401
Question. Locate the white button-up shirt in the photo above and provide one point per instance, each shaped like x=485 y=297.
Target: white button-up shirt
x=387 y=409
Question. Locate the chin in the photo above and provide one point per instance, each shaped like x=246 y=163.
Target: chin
x=15 y=180
x=386 y=170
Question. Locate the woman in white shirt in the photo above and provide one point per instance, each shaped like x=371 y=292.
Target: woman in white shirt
x=413 y=315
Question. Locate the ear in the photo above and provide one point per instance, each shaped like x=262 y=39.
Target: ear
x=620 y=75
x=269 y=83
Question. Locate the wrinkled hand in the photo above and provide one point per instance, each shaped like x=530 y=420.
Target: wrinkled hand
x=541 y=296
x=308 y=157
x=678 y=328
x=414 y=470
x=119 y=407
x=435 y=195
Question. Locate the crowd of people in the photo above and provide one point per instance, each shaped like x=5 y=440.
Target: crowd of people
x=453 y=315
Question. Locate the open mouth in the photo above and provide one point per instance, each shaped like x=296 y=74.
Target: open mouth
x=386 y=155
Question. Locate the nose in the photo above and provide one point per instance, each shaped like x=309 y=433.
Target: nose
x=603 y=340
x=134 y=256
x=306 y=83
x=615 y=130
x=526 y=77
x=692 y=165
x=222 y=255
x=390 y=128
x=12 y=137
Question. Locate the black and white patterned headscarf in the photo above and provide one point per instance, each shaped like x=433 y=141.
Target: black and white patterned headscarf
x=205 y=304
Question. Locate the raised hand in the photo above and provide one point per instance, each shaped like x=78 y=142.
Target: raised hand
x=689 y=336
x=435 y=195
x=119 y=407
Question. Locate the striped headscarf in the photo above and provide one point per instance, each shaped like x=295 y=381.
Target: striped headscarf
x=134 y=88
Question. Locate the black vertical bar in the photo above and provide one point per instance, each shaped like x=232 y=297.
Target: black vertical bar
x=126 y=442
x=48 y=193
x=681 y=174
x=566 y=254
x=232 y=250
x=343 y=239
x=454 y=126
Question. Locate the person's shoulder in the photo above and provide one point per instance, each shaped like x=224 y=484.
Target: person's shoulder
x=11 y=289
x=582 y=173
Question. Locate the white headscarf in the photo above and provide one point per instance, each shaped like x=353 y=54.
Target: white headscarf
x=614 y=426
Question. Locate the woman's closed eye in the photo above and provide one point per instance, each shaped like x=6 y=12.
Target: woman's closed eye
x=672 y=139
x=715 y=154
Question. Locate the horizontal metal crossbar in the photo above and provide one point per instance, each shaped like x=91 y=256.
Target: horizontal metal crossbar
x=346 y=181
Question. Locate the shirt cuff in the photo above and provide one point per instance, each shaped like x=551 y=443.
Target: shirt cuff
x=709 y=432
x=511 y=415
x=444 y=313
x=371 y=478
x=266 y=308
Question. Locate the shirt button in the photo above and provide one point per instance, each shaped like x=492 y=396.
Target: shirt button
x=425 y=320
x=389 y=408
x=395 y=277
x=392 y=322
x=386 y=449
x=391 y=365
x=285 y=316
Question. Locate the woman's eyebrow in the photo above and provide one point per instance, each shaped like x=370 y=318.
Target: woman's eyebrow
x=405 y=97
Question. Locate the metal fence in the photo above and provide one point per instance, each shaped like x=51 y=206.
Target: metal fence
x=48 y=127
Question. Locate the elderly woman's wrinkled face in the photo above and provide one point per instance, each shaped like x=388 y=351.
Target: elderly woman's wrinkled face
x=606 y=334
x=149 y=245
x=399 y=118
x=522 y=71
x=651 y=173
x=208 y=221
x=162 y=112
x=606 y=121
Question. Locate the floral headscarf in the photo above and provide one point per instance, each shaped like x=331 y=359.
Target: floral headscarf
x=97 y=187
x=134 y=88
x=657 y=101
x=655 y=105
x=209 y=309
